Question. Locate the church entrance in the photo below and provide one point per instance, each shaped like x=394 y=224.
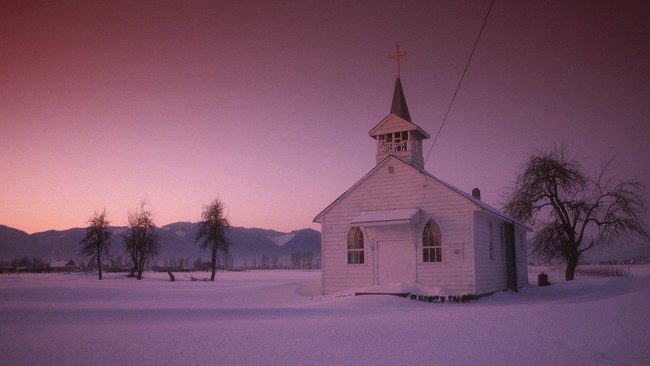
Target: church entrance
x=395 y=262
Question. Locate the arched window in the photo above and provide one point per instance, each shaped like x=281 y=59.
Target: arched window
x=355 y=246
x=431 y=243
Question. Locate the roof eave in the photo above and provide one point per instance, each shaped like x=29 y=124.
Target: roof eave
x=373 y=131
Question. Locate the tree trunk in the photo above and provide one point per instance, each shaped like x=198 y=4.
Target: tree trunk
x=214 y=265
x=140 y=270
x=99 y=266
x=572 y=263
x=133 y=270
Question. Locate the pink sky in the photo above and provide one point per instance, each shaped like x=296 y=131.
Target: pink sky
x=267 y=105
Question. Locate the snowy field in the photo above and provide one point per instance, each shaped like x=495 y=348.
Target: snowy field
x=279 y=318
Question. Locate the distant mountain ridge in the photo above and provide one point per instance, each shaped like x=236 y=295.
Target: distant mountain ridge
x=248 y=245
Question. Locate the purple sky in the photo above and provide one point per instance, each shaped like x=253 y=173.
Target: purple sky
x=268 y=104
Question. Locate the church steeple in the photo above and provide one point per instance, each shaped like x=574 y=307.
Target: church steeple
x=399 y=107
x=396 y=134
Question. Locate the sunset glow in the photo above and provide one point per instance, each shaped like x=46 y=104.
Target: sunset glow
x=267 y=105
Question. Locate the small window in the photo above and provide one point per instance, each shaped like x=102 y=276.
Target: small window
x=355 y=246
x=431 y=243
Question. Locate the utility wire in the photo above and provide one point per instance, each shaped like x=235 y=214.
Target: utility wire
x=460 y=81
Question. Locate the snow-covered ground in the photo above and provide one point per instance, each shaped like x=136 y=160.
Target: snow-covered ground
x=279 y=318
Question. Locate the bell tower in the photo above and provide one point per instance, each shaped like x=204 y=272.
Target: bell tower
x=396 y=134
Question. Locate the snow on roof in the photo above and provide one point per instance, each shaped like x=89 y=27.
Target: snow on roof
x=386 y=217
x=62 y=263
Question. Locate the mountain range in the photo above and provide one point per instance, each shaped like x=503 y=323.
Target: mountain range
x=248 y=245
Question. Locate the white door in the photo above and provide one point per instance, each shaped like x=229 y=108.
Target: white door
x=395 y=262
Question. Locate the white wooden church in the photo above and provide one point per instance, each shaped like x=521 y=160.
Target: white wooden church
x=401 y=224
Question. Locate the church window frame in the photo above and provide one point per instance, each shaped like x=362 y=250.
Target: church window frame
x=432 y=243
x=400 y=141
x=395 y=142
x=355 y=246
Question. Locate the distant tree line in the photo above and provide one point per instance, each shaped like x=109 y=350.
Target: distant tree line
x=303 y=260
x=297 y=260
x=25 y=264
x=224 y=262
x=123 y=264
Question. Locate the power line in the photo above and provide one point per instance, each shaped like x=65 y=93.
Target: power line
x=460 y=81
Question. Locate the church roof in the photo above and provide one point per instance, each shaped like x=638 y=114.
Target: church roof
x=399 y=107
x=399 y=118
x=394 y=123
x=477 y=202
x=386 y=217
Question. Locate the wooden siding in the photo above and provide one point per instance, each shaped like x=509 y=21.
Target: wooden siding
x=396 y=185
x=522 y=256
x=491 y=273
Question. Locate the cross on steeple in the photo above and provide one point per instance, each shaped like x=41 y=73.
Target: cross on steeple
x=396 y=56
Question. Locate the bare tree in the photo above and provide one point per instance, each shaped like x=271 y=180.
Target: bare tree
x=308 y=258
x=264 y=261
x=576 y=212
x=212 y=232
x=141 y=241
x=97 y=240
x=297 y=260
